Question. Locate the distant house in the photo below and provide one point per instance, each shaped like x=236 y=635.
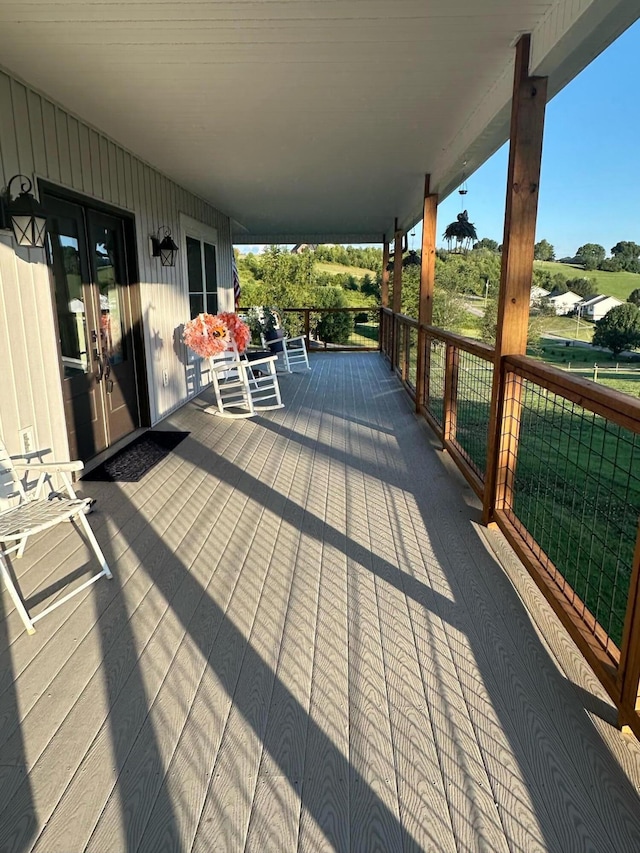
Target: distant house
x=299 y=248
x=596 y=307
x=537 y=295
x=565 y=303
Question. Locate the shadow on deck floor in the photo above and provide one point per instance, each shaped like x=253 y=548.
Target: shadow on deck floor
x=308 y=645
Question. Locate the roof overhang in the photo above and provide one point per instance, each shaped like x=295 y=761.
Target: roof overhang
x=311 y=121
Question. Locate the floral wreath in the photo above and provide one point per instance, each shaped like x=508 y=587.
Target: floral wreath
x=211 y=334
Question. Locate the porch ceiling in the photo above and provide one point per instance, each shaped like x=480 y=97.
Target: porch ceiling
x=314 y=119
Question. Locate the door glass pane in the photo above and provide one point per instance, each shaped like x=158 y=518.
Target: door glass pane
x=111 y=313
x=72 y=319
x=211 y=278
x=194 y=272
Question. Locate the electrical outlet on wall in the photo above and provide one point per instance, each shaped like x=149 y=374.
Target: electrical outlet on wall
x=27 y=440
x=165 y=378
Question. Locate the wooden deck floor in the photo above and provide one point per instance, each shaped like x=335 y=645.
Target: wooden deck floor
x=308 y=645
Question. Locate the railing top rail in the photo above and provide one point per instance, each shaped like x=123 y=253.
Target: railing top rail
x=622 y=409
x=386 y=310
x=470 y=345
x=363 y=309
x=407 y=321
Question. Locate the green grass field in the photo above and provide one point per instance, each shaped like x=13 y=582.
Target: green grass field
x=334 y=269
x=618 y=284
x=574 y=492
x=568 y=327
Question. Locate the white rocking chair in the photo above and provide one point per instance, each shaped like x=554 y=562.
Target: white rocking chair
x=243 y=388
x=36 y=512
x=291 y=351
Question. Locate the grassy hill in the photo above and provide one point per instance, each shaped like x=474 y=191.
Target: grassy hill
x=334 y=269
x=618 y=284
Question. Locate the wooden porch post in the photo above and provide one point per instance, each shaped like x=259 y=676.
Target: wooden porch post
x=384 y=285
x=523 y=179
x=427 y=286
x=397 y=290
x=629 y=669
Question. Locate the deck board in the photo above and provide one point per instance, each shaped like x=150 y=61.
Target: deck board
x=309 y=644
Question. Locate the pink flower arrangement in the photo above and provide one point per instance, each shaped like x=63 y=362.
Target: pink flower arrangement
x=206 y=335
x=238 y=329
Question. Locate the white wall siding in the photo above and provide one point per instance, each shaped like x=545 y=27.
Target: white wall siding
x=40 y=139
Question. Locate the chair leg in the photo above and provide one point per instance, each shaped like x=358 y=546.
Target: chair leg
x=15 y=595
x=94 y=544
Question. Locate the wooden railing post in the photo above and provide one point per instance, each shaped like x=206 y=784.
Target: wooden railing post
x=450 y=402
x=384 y=282
x=427 y=286
x=525 y=152
x=629 y=669
x=307 y=328
x=397 y=292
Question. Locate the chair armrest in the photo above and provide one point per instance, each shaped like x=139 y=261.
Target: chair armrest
x=297 y=338
x=264 y=360
x=227 y=365
x=50 y=467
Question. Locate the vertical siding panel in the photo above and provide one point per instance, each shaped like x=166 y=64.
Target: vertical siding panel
x=23 y=132
x=34 y=105
x=85 y=158
x=74 y=154
x=8 y=147
x=113 y=172
x=128 y=180
x=9 y=376
x=51 y=140
x=62 y=133
x=104 y=169
x=41 y=137
x=122 y=190
x=96 y=173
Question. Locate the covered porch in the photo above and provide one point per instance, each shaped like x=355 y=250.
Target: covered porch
x=310 y=643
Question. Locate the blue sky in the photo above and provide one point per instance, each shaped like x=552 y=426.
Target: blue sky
x=590 y=180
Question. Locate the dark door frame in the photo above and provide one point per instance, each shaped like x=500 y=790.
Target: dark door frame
x=131 y=255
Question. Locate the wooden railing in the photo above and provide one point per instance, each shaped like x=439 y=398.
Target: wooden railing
x=565 y=482
x=335 y=329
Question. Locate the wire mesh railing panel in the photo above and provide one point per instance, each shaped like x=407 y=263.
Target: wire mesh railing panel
x=475 y=381
x=575 y=498
x=335 y=328
x=412 y=366
x=436 y=365
x=401 y=347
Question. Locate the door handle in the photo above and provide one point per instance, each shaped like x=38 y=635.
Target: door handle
x=100 y=372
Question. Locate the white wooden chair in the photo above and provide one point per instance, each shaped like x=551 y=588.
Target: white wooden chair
x=290 y=351
x=35 y=512
x=243 y=388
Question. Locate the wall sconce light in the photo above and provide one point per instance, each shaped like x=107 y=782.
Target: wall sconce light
x=24 y=215
x=164 y=248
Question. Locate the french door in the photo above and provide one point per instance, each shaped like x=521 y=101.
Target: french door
x=87 y=255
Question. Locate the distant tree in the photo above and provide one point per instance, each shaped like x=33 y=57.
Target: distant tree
x=559 y=287
x=370 y=286
x=619 y=329
x=611 y=265
x=486 y=243
x=634 y=297
x=448 y=311
x=334 y=327
x=628 y=254
x=583 y=286
x=590 y=255
x=544 y=251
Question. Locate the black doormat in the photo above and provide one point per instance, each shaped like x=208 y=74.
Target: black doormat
x=132 y=462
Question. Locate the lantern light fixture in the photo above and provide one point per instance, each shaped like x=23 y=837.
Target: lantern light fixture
x=164 y=247
x=24 y=214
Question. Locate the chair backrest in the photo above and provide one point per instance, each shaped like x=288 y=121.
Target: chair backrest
x=10 y=484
